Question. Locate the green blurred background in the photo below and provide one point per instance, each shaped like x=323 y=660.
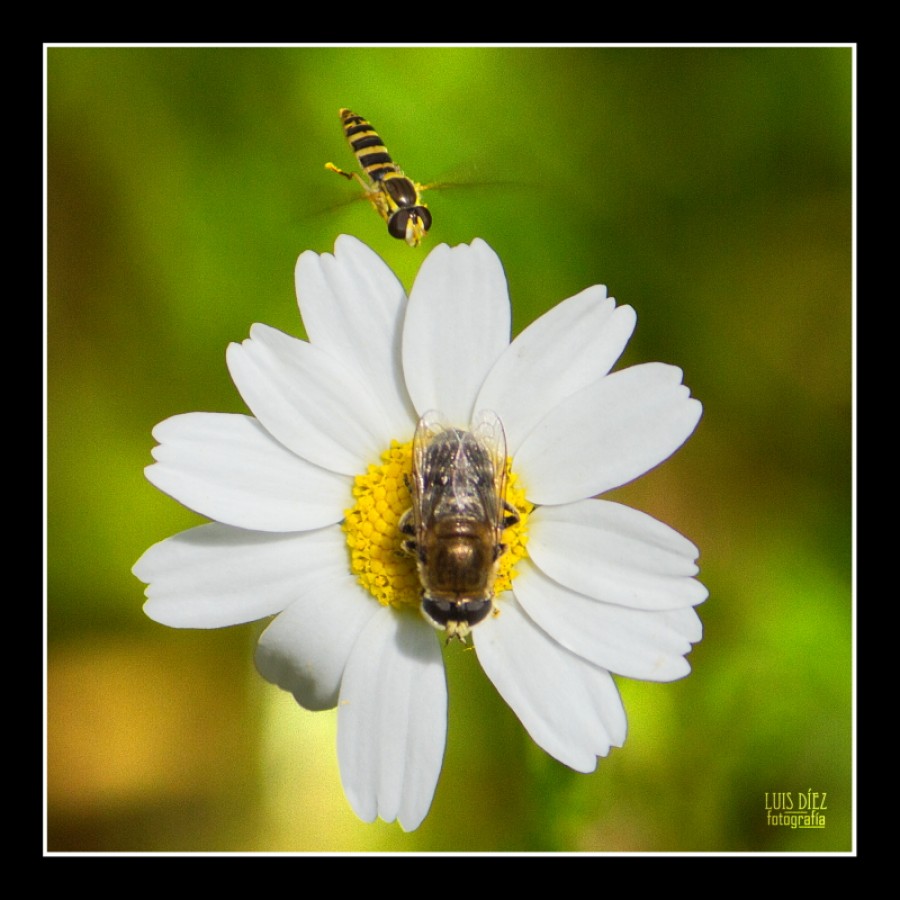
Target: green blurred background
x=710 y=188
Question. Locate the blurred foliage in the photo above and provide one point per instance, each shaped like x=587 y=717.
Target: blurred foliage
x=710 y=188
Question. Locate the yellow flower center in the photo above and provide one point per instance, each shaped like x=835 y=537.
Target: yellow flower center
x=373 y=531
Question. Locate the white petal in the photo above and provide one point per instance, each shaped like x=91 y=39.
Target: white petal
x=353 y=307
x=216 y=575
x=229 y=468
x=607 y=434
x=570 y=707
x=616 y=554
x=573 y=345
x=457 y=325
x=309 y=401
x=638 y=643
x=392 y=719
x=306 y=648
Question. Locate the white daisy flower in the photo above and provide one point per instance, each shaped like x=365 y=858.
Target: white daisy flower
x=308 y=496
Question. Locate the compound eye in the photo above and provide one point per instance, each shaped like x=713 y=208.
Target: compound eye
x=411 y=221
x=397 y=223
x=442 y=612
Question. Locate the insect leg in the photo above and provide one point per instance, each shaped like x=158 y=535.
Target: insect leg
x=350 y=176
x=510 y=515
x=407 y=526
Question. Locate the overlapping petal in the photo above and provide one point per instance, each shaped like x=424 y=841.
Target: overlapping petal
x=573 y=345
x=392 y=720
x=305 y=649
x=570 y=707
x=457 y=325
x=308 y=401
x=638 y=643
x=616 y=554
x=215 y=575
x=607 y=434
x=229 y=468
x=353 y=307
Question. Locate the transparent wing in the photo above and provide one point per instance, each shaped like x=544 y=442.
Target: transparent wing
x=487 y=431
x=432 y=464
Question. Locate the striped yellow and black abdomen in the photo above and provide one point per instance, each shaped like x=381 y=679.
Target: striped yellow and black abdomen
x=364 y=141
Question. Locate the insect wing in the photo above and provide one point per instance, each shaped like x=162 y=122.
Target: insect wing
x=459 y=473
x=487 y=431
x=432 y=459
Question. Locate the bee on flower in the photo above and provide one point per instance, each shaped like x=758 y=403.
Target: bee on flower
x=374 y=529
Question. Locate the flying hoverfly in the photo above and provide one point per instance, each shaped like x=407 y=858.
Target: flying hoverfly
x=456 y=522
x=396 y=198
